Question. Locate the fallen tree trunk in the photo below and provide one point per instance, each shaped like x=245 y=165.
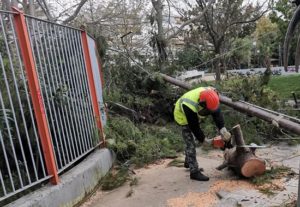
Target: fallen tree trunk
x=276 y=119
x=123 y=110
x=242 y=159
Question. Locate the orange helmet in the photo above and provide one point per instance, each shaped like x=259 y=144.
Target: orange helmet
x=210 y=98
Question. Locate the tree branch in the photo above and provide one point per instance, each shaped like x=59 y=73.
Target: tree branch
x=249 y=21
x=64 y=12
x=74 y=15
x=180 y=29
x=43 y=4
x=129 y=54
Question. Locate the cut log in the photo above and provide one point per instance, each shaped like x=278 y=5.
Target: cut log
x=241 y=159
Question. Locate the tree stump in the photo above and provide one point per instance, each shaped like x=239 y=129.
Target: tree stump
x=242 y=159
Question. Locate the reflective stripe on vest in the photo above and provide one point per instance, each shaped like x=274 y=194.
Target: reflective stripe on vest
x=182 y=100
x=189 y=99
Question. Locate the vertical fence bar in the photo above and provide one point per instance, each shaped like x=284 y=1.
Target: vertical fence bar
x=72 y=84
x=35 y=91
x=77 y=70
x=88 y=64
x=2 y=183
x=17 y=86
x=298 y=199
x=42 y=65
x=11 y=104
x=52 y=83
x=70 y=57
x=68 y=81
x=7 y=161
x=28 y=100
x=59 y=76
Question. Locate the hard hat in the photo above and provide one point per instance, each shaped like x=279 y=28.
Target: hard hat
x=210 y=98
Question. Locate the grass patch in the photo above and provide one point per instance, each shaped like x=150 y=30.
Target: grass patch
x=267 y=191
x=176 y=163
x=284 y=85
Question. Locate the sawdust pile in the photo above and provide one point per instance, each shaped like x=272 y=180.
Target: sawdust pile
x=209 y=198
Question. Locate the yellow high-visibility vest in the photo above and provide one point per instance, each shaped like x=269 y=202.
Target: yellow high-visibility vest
x=191 y=100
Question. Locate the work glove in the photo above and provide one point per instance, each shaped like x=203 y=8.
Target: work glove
x=225 y=134
x=208 y=142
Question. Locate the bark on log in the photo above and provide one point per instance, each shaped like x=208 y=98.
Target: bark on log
x=241 y=159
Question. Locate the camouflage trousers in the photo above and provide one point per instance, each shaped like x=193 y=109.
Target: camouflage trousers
x=190 y=149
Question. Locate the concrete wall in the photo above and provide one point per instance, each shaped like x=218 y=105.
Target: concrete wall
x=74 y=184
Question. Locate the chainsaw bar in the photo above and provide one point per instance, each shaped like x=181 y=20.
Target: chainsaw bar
x=253 y=146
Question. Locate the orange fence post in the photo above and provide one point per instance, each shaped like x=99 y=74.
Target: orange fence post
x=92 y=87
x=36 y=96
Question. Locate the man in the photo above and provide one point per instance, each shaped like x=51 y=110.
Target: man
x=202 y=101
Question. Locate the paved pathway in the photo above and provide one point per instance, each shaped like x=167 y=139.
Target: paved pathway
x=160 y=185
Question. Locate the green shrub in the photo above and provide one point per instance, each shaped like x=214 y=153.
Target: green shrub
x=142 y=144
x=115 y=179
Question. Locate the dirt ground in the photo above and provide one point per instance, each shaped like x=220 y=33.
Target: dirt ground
x=160 y=185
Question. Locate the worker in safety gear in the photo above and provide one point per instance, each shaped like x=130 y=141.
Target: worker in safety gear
x=202 y=101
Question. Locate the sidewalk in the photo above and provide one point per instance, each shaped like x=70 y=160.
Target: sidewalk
x=160 y=185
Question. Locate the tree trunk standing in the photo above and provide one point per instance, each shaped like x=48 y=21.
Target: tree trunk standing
x=224 y=64
x=14 y=3
x=6 y=5
x=31 y=7
x=218 y=70
x=160 y=39
x=28 y=7
x=91 y=7
x=297 y=55
x=217 y=63
x=242 y=159
x=218 y=67
x=298 y=199
x=267 y=74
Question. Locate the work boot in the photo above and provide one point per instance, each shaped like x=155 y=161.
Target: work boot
x=198 y=176
x=186 y=165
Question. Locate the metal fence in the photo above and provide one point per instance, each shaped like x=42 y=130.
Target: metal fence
x=63 y=80
x=62 y=98
x=22 y=163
